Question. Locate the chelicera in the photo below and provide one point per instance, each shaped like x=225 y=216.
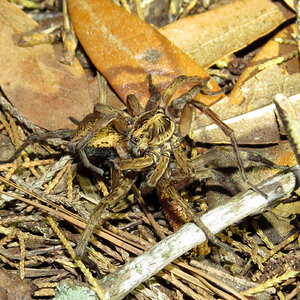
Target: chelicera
x=145 y=141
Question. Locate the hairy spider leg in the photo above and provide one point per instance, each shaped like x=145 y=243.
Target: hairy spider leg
x=194 y=168
x=120 y=118
x=162 y=165
x=229 y=133
x=134 y=106
x=165 y=185
x=155 y=96
x=35 y=138
x=200 y=84
x=108 y=201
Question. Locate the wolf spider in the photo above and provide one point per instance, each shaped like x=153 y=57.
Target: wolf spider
x=144 y=141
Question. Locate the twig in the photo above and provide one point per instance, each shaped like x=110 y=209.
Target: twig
x=118 y=285
x=78 y=262
x=201 y=275
x=69 y=38
x=55 y=168
x=188 y=291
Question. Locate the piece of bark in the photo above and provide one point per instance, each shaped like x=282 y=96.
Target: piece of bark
x=118 y=285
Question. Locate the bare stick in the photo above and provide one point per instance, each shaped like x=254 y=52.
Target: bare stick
x=118 y=285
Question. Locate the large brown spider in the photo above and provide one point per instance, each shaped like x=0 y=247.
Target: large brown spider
x=143 y=141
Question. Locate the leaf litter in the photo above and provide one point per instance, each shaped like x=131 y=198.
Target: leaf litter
x=32 y=78
x=267 y=243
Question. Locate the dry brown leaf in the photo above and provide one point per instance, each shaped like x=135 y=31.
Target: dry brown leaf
x=37 y=84
x=209 y=36
x=126 y=49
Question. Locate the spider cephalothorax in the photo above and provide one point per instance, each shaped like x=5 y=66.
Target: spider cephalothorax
x=151 y=129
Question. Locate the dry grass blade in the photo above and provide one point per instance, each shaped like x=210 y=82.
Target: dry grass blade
x=60 y=212
x=212 y=279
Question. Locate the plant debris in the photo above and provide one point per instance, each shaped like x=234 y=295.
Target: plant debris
x=141 y=247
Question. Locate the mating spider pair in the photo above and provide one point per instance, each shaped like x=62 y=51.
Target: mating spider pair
x=145 y=141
